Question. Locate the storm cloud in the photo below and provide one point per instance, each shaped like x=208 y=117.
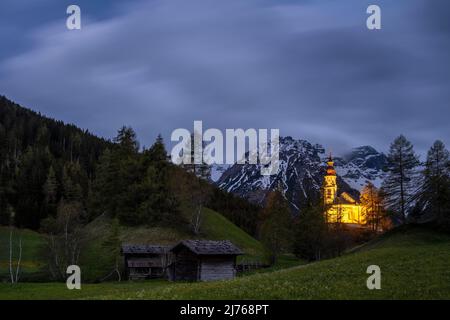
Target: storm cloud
x=310 y=68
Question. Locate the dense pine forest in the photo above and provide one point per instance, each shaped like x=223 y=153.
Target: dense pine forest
x=41 y=161
x=49 y=169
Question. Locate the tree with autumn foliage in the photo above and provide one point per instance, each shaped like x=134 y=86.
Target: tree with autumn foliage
x=371 y=201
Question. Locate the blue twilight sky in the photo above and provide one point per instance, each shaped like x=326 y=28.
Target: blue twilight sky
x=310 y=68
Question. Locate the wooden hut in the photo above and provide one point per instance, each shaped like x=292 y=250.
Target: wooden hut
x=203 y=260
x=145 y=261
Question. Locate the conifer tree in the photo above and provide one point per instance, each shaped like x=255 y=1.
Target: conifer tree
x=30 y=145
x=126 y=139
x=161 y=205
x=202 y=169
x=399 y=184
x=276 y=224
x=157 y=152
x=72 y=190
x=435 y=193
x=50 y=186
x=101 y=198
x=50 y=190
x=118 y=174
x=310 y=233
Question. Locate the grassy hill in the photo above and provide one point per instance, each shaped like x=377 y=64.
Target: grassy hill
x=415 y=264
x=32 y=252
x=96 y=261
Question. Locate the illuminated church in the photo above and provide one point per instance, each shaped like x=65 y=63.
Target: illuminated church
x=341 y=207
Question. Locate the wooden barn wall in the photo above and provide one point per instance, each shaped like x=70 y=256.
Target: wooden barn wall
x=217 y=268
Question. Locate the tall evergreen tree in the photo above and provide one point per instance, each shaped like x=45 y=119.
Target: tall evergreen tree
x=50 y=190
x=157 y=152
x=126 y=139
x=435 y=192
x=118 y=174
x=161 y=204
x=134 y=186
x=32 y=174
x=72 y=183
x=276 y=224
x=310 y=233
x=202 y=169
x=399 y=184
x=101 y=200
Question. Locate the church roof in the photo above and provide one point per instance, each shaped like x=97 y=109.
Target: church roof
x=345 y=198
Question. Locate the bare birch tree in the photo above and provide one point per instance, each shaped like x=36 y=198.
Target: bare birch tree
x=14 y=272
x=65 y=237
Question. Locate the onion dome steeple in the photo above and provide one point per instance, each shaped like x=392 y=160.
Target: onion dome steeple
x=330 y=166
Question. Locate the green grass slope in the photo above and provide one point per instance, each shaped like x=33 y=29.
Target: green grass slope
x=32 y=260
x=97 y=262
x=217 y=227
x=415 y=264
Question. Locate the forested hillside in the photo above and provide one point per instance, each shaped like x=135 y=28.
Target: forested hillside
x=41 y=161
x=50 y=170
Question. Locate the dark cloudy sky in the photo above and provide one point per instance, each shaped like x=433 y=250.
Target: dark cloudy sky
x=310 y=68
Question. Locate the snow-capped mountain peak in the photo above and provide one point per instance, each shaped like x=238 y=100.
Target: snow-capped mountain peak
x=301 y=173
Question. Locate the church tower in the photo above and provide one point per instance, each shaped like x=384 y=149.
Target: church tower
x=329 y=183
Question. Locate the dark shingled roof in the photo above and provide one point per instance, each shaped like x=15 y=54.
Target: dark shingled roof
x=144 y=248
x=208 y=247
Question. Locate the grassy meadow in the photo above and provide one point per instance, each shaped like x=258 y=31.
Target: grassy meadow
x=96 y=261
x=414 y=262
x=33 y=256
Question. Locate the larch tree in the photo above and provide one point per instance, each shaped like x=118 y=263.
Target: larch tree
x=198 y=163
x=399 y=184
x=371 y=202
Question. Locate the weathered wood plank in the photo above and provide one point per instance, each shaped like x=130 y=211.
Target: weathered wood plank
x=217 y=269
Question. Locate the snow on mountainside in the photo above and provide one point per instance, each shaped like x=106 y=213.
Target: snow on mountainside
x=301 y=173
x=218 y=170
x=361 y=165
